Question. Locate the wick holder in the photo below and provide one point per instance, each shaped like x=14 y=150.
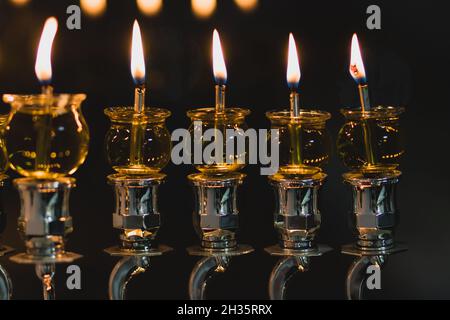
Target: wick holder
x=136 y=212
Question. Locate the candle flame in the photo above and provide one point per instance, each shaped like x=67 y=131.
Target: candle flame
x=137 y=56
x=43 y=66
x=150 y=7
x=93 y=8
x=293 y=68
x=356 y=69
x=203 y=8
x=219 y=67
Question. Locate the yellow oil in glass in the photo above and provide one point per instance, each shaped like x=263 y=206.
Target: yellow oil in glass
x=66 y=143
x=373 y=143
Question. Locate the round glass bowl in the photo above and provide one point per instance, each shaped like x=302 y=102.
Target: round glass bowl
x=304 y=142
x=204 y=119
x=46 y=136
x=371 y=141
x=138 y=144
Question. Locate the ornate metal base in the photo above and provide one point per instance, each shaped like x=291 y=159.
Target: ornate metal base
x=216 y=214
x=297 y=217
x=44 y=223
x=374 y=216
x=374 y=210
x=136 y=212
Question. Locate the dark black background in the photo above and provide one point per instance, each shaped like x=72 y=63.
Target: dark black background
x=405 y=62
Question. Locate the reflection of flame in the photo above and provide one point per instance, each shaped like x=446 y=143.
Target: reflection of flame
x=247 y=5
x=149 y=7
x=137 y=55
x=203 y=8
x=19 y=3
x=93 y=8
x=219 y=67
x=43 y=66
x=293 y=68
x=356 y=69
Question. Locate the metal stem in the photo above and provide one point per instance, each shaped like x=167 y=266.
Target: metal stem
x=125 y=270
x=202 y=272
x=45 y=272
x=283 y=272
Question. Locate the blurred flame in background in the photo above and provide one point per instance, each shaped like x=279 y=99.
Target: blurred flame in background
x=19 y=3
x=149 y=7
x=247 y=5
x=93 y=8
x=203 y=8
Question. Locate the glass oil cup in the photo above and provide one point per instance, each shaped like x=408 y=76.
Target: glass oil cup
x=148 y=130
x=371 y=141
x=232 y=118
x=46 y=137
x=304 y=143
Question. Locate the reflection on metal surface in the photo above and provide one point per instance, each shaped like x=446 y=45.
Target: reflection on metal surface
x=123 y=272
x=357 y=275
x=247 y=5
x=283 y=272
x=93 y=8
x=5 y=285
x=19 y=3
x=149 y=7
x=202 y=272
x=46 y=272
x=203 y=8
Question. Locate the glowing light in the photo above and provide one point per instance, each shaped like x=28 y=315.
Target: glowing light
x=356 y=69
x=246 y=5
x=93 y=8
x=293 y=73
x=203 y=8
x=19 y=3
x=137 y=55
x=219 y=67
x=43 y=66
x=150 y=7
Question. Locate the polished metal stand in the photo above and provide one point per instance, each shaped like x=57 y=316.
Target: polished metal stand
x=374 y=215
x=297 y=220
x=44 y=223
x=137 y=217
x=216 y=221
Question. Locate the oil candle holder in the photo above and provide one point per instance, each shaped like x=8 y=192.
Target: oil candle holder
x=47 y=139
x=135 y=186
x=216 y=216
x=297 y=217
x=370 y=144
